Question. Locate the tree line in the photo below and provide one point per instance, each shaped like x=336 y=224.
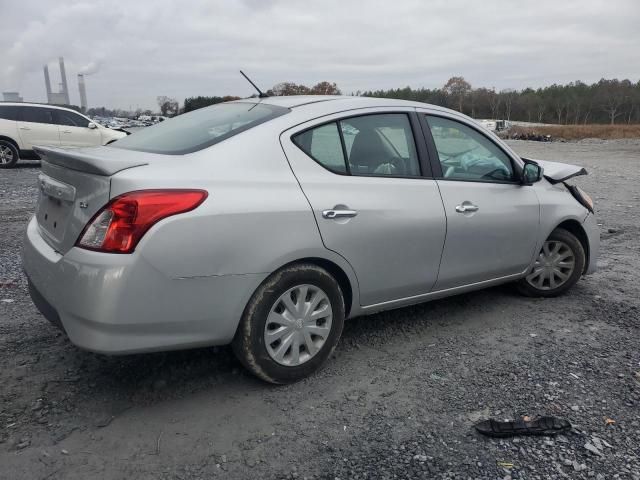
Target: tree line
x=607 y=101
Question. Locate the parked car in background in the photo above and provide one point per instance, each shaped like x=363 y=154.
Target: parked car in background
x=266 y=222
x=24 y=125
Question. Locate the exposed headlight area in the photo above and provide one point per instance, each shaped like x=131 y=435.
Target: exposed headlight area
x=581 y=196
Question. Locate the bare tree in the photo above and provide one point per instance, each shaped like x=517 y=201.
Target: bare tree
x=288 y=88
x=325 y=88
x=612 y=97
x=169 y=107
x=494 y=103
x=508 y=95
x=457 y=88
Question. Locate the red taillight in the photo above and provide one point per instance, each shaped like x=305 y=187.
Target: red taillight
x=119 y=225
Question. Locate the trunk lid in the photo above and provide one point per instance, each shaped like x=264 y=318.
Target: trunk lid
x=557 y=172
x=73 y=185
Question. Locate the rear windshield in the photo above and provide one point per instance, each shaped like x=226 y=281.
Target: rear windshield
x=199 y=129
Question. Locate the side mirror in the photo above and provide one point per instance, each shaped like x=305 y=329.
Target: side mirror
x=531 y=173
x=92 y=125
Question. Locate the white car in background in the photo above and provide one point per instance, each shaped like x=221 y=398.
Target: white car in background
x=23 y=125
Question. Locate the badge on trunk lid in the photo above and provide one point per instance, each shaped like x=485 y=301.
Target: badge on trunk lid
x=55 y=189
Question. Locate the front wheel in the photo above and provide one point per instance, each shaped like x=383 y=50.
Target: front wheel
x=291 y=325
x=557 y=268
x=8 y=154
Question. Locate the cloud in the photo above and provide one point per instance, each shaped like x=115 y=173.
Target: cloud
x=160 y=47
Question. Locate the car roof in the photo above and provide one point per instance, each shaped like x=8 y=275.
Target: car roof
x=45 y=105
x=339 y=102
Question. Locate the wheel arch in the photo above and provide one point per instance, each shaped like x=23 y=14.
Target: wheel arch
x=336 y=272
x=12 y=141
x=575 y=227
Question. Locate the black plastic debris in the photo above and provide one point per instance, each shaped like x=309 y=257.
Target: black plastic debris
x=540 y=426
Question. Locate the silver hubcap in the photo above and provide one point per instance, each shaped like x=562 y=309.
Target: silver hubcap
x=6 y=154
x=298 y=325
x=553 y=266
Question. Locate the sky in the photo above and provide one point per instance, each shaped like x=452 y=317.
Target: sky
x=137 y=50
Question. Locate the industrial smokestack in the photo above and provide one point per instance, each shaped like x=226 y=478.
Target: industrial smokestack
x=47 y=82
x=65 y=88
x=83 y=92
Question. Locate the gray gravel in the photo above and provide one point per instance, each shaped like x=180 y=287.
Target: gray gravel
x=398 y=400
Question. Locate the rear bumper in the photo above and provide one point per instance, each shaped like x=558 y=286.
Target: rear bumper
x=118 y=304
x=592 y=230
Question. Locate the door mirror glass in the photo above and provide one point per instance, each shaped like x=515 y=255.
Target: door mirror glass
x=531 y=173
x=92 y=125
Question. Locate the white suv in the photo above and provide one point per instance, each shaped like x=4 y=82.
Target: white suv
x=23 y=125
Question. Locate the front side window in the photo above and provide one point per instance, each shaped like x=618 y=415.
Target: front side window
x=200 y=129
x=466 y=154
x=379 y=145
x=62 y=117
x=36 y=115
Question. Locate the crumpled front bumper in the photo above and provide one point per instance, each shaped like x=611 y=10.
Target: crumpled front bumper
x=592 y=230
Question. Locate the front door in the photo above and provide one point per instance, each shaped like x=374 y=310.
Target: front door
x=492 y=220
x=36 y=127
x=362 y=176
x=74 y=129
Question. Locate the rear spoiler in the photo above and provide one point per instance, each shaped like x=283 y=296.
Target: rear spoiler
x=94 y=160
x=557 y=172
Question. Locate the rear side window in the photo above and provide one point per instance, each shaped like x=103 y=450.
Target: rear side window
x=324 y=146
x=36 y=115
x=378 y=145
x=9 y=112
x=200 y=129
x=62 y=117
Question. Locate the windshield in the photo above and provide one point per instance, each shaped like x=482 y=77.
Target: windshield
x=199 y=129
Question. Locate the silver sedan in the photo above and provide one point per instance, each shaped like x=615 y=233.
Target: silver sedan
x=264 y=223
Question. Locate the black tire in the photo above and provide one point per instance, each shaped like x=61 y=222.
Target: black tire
x=579 y=256
x=249 y=343
x=15 y=155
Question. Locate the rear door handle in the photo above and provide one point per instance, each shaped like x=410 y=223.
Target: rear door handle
x=25 y=128
x=331 y=214
x=66 y=131
x=465 y=208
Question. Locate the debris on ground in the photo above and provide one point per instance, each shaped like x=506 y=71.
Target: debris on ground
x=547 y=425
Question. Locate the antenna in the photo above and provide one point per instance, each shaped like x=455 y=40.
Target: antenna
x=260 y=94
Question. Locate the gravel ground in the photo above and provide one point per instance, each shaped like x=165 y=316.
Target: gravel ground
x=398 y=400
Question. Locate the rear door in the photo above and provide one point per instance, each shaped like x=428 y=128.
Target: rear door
x=37 y=127
x=74 y=129
x=368 y=183
x=492 y=220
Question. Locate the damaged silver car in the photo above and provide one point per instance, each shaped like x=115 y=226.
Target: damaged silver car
x=266 y=222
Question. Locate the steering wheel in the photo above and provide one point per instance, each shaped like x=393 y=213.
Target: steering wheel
x=400 y=165
x=387 y=168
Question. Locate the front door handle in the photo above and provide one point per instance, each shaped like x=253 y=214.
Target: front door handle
x=66 y=131
x=331 y=214
x=466 y=208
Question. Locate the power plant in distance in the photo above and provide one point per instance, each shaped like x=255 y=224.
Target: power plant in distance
x=61 y=97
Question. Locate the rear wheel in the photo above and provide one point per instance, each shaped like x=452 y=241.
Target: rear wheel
x=291 y=325
x=8 y=154
x=557 y=268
